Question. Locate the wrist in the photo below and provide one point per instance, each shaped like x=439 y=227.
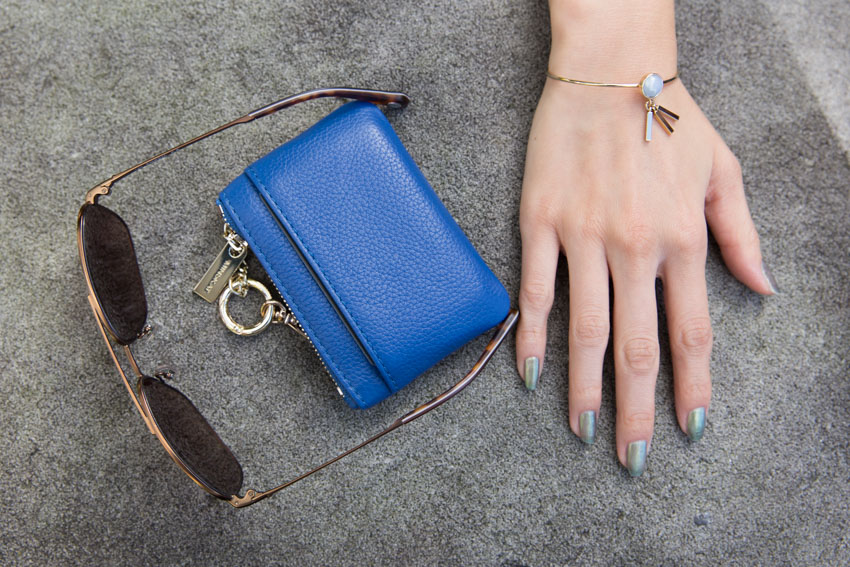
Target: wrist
x=612 y=41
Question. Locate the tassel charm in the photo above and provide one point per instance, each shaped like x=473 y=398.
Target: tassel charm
x=650 y=87
x=658 y=112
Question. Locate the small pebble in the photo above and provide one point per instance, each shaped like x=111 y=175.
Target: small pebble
x=702 y=519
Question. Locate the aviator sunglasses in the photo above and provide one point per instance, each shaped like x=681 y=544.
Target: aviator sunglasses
x=117 y=298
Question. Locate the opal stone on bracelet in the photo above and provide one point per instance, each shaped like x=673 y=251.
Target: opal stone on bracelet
x=650 y=87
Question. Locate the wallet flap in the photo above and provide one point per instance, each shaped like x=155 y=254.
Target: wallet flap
x=246 y=211
x=378 y=242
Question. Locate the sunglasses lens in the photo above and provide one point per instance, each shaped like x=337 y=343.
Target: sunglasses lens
x=113 y=271
x=192 y=438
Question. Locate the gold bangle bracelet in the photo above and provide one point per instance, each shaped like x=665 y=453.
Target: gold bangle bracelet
x=552 y=75
x=650 y=87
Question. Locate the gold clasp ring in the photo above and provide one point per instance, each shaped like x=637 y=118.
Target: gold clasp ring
x=235 y=327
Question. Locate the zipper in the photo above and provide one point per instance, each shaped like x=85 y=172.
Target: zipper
x=228 y=229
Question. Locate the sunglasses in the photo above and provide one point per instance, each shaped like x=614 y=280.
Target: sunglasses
x=117 y=298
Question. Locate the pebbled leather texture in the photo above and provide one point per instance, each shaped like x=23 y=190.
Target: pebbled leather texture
x=374 y=267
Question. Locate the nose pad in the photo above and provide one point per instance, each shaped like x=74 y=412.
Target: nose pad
x=164 y=372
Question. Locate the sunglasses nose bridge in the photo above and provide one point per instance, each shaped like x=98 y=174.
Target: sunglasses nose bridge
x=164 y=372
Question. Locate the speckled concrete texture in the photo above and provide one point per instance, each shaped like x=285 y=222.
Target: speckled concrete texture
x=495 y=477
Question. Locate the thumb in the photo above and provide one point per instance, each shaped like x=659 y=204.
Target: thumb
x=732 y=226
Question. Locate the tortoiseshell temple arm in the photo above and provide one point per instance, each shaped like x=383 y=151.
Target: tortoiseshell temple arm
x=252 y=496
x=390 y=99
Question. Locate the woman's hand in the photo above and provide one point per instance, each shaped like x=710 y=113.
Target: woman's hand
x=622 y=208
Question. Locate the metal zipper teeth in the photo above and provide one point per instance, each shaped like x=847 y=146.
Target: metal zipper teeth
x=288 y=308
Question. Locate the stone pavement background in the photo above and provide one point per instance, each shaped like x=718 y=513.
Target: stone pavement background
x=495 y=477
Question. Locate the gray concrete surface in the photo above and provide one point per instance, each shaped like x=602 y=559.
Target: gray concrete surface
x=495 y=477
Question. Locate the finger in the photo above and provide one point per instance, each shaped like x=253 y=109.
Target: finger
x=689 y=325
x=540 y=252
x=732 y=226
x=635 y=357
x=589 y=329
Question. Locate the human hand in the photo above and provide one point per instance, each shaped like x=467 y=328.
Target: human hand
x=633 y=210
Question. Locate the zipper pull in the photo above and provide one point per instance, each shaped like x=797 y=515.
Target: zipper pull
x=281 y=314
x=231 y=257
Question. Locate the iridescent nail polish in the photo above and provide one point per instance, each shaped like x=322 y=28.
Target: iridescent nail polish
x=768 y=275
x=587 y=426
x=636 y=457
x=696 y=424
x=532 y=372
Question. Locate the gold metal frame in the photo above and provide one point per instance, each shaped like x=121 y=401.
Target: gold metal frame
x=390 y=99
x=136 y=394
x=552 y=75
x=141 y=403
x=652 y=108
x=139 y=399
x=252 y=496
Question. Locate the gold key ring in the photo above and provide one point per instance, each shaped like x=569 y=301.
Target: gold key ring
x=235 y=327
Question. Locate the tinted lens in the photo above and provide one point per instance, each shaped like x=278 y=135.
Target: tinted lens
x=114 y=272
x=194 y=441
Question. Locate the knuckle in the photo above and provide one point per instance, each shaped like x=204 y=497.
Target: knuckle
x=637 y=238
x=544 y=211
x=640 y=355
x=591 y=329
x=695 y=337
x=697 y=390
x=637 y=420
x=530 y=335
x=734 y=168
x=591 y=228
x=536 y=296
x=691 y=239
x=585 y=394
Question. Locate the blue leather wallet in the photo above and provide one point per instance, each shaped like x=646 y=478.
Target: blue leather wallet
x=380 y=277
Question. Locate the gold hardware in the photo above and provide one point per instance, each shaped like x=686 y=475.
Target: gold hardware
x=240 y=502
x=282 y=315
x=222 y=269
x=237 y=245
x=655 y=110
x=650 y=87
x=281 y=312
x=552 y=75
x=228 y=275
x=240 y=286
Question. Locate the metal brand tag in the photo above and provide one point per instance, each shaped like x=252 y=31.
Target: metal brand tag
x=219 y=273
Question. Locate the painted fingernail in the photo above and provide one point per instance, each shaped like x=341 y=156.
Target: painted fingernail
x=587 y=426
x=532 y=372
x=636 y=458
x=696 y=424
x=768 y=276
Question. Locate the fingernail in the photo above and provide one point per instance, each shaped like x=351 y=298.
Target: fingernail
x=587 y=426
x=532 y=372
x=768 y=276
x=636 y=458
x=696 y=424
